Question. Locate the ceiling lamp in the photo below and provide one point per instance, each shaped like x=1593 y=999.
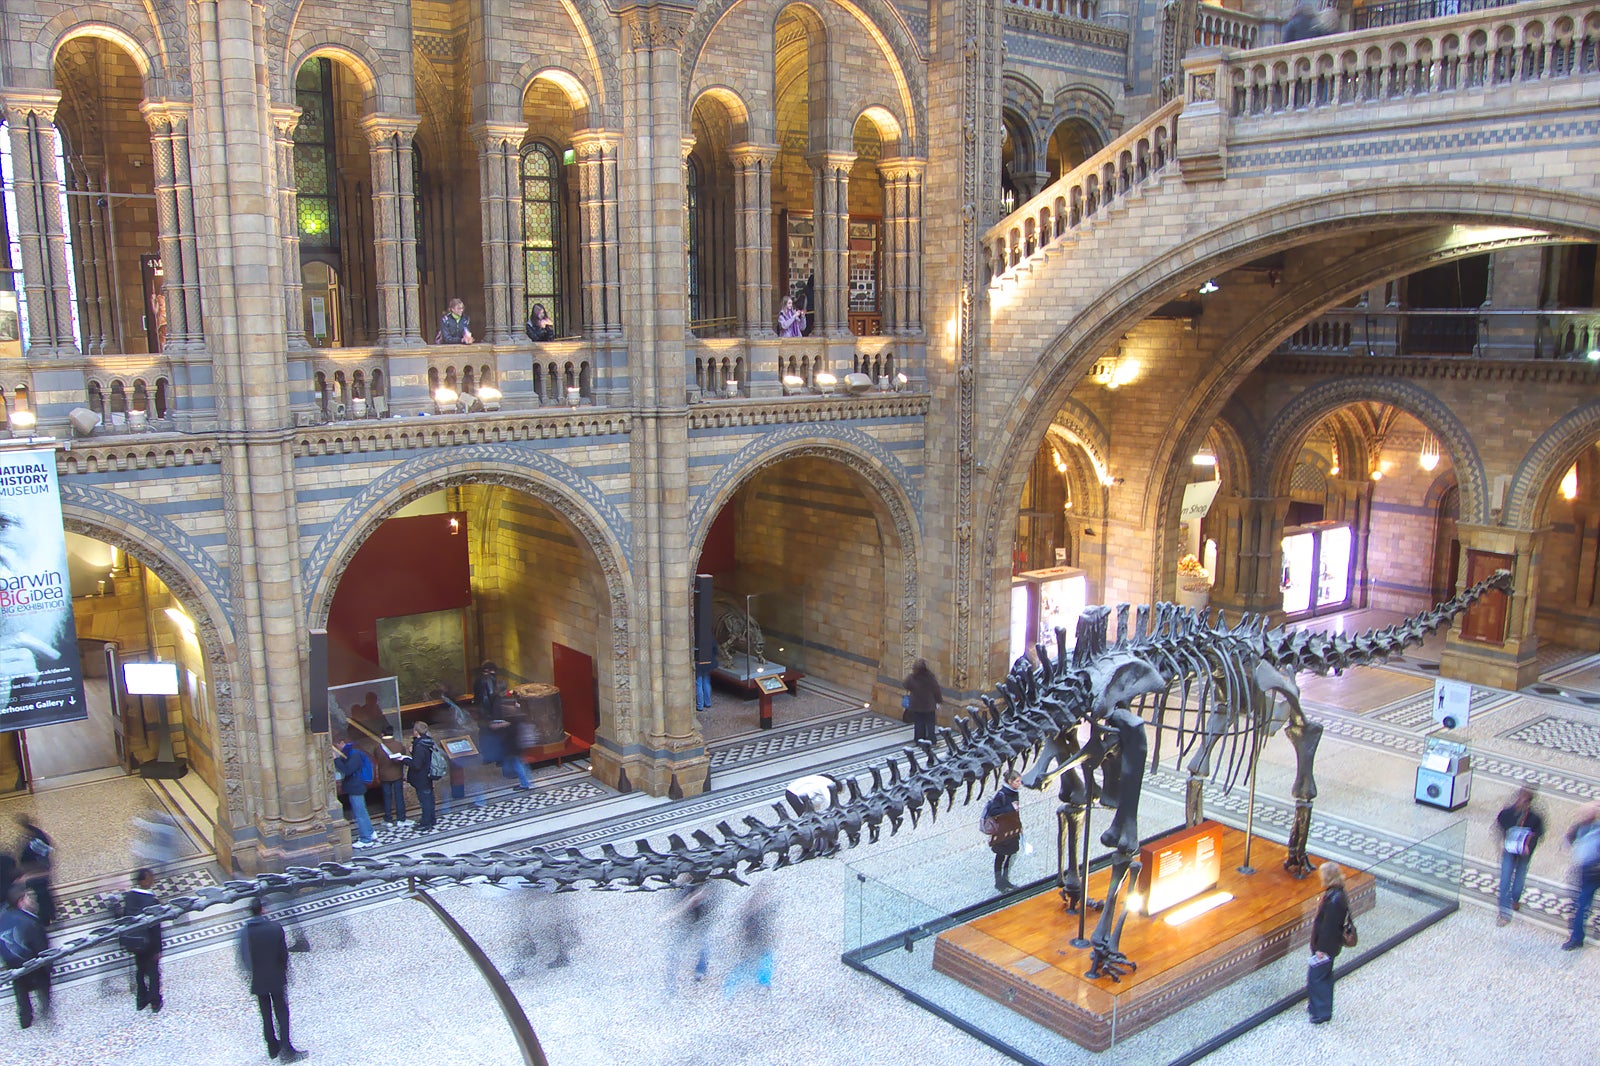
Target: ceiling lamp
x=1569 y=483
x=1428 y=458
x=1209 y=287
x=1205 y=457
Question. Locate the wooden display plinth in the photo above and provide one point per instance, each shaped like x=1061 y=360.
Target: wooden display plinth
x=1022 y=956
x=752 y=687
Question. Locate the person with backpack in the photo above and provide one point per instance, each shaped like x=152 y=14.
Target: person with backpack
x=425 y=765
x=356 y=772
x=1584 y=836
x=143 y=944
x=1521 y=828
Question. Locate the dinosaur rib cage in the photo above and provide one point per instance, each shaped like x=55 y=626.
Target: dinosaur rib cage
x=1034 y=703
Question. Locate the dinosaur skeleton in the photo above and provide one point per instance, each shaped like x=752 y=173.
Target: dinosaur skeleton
x=1074 y=713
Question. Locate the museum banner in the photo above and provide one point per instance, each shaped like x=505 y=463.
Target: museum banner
x=41 y=680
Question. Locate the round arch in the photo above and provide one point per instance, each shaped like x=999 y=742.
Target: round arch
x=578 y=92
x=1088 y=105
x=194 y=580
x=1539 y=473
x=733 y=105
x=353 y=54
x=872 y=463
x=573 y=497
x=886 y=126
x=134 y=36
x=1111 y=312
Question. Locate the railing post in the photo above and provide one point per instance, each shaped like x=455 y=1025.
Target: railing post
x=1203 y=125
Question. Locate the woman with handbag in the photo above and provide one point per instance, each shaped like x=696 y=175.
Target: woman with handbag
x=923 y=696
x=1331 y=932
x=1002 y=821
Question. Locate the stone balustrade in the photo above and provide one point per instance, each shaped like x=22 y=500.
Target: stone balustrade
x=1218 y=27
x=1083 y=192
x=733 y=368
x=1541 y=42
x=1076 y=9
x=1487 y=333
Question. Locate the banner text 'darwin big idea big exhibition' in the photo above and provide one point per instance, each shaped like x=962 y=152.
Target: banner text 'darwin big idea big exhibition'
x=41 y=682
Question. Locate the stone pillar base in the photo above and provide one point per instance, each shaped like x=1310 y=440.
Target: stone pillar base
x=1509 y=666
x=254 y=856
x=675 y=778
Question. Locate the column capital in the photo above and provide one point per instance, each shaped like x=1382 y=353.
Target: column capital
x=159 y=113
x=380 y=128
x=284 y=120
x=748 y=153
x=834 y=161
x=656 y=24
x=686 y=147
x=485 y=134
x=901 y=167
x=592 y=143
x=20 y=103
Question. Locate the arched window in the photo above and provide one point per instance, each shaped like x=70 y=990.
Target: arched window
x=316 y=187
x=541 y=230
x=416 y=207
x=691 y=236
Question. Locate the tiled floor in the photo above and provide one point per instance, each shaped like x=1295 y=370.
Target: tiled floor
x=612 y=1004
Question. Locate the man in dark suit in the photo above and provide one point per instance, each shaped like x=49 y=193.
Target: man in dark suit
x=22 y=938
x=145 y=944
x=265 y=954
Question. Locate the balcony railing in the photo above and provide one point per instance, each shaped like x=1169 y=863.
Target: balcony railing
x=1484 y=333
x=1369 y=16
x=1218 y=27
x=1075 y=9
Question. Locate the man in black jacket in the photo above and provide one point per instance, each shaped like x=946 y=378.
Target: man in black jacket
x=145 y=944
x=419 y=771
x=265 y=954
x=22 y=938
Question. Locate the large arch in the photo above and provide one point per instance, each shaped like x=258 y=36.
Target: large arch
x=857 y=452
x=580 y=91
x=377 y=82
x=139 y=39
x=1541 y=468
x=1546 y=215
x=199 y=584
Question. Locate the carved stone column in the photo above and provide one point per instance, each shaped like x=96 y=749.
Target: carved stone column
x=902 y=244
x=1249 y=535
x=284 y=121
x=752 y=205
x=599 y=215
x=1494 y=643
x=500 y=197
x=180 y=260
x=86 y=218
x=394 y=229
x=831 y=203
x=41 y=229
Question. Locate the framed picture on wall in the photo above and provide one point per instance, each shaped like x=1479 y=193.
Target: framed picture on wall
x=425 y=651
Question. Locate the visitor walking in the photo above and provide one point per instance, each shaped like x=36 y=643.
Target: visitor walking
x=923 y=697
x=756 y=959
x=143 y=944
x=264 y=955
x=693 y=933
x=22 y=938
x=1327 y=940
x=1521 y=827
x=1002 y=821
x=1584 y=837
x=35 y=860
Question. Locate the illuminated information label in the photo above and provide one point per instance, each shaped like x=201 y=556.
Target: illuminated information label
x=1180 y=866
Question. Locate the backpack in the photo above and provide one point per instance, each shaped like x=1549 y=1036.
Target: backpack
x=365 y=771
x=438 y=765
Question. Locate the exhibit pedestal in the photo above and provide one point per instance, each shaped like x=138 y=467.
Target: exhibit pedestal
x=758 y=680
x=1022 y=956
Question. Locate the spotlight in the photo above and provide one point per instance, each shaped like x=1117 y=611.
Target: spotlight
x=1205 y=457
x=446 y=400
x=901 y=381
x=793 y=383
x=490 y=397
x=826 y=381
x=1594 y=355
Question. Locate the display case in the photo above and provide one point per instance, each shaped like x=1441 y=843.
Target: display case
x=1043 y=601
x=1316 y=568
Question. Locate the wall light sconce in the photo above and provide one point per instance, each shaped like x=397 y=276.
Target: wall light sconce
x=901 y=381
x=490 y=397
x=793 y=383
x=447 y=400
x=1209 y=287
x=1569 y=483
x=574 y=395
x=1428 y=458
x=1377 y=473
x=181 y=621
x=1594 y=355
x=1105 y=371
x=1204 y=457
x=825 y=382
x=731 y=387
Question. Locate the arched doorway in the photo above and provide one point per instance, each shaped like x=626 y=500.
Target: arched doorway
x=491 y=575
x=810 y=551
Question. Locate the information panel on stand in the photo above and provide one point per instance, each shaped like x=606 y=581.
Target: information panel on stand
x=1180 y=866
x=41 y=679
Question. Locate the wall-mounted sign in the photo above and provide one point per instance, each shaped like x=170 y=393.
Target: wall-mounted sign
x=1197 y=497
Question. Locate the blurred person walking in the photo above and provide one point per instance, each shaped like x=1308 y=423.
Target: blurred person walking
x=1584 y=838
x=35 y=858
x=22 y=938
x=1327 y=940
x=157 y=840
x=923 y=697
x=756 y=959
x=1002 y=821
x=693 y=933
x=264 y=955
x=143 y=944
x=1521 y=827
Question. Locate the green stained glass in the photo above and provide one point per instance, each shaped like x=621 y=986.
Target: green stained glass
x=317 y=226
x=311 y=170
x=538 y=223
x=541 y=272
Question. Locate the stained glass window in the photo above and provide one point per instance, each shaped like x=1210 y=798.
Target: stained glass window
x=541 y=229
x=691 y=236
x=315 y=177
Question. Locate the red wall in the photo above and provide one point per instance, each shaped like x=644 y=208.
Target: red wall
x=408 y=566
x=717 y=556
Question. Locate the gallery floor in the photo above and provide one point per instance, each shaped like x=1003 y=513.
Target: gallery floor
x=381 y=969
